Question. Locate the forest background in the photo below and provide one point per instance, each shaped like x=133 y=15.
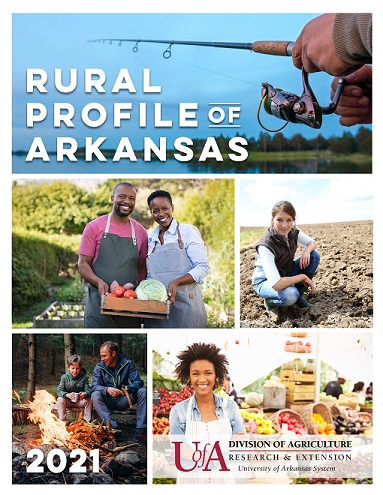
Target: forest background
x=49 y=216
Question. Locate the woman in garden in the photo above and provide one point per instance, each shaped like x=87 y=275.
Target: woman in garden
x=278 y=278
x=177 y=257
x=204 y=416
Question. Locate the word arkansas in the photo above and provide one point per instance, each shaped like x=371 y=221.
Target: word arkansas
x=182 y=151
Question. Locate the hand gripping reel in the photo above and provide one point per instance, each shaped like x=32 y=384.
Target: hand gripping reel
x=303 y=109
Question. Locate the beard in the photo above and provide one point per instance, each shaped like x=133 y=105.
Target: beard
x=122 y=214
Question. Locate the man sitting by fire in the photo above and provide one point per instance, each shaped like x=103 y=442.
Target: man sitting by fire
x=116 y=385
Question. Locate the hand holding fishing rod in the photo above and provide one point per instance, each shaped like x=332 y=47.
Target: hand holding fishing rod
x=284 y=105
x=341 y=45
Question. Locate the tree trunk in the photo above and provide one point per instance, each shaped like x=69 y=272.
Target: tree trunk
x=69 y=346
x=53 y=368
x=119 y=342
x=31 y=387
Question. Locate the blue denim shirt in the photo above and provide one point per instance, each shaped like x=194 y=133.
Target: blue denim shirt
x=178 y=415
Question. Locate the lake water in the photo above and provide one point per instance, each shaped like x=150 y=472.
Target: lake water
x=19 y=166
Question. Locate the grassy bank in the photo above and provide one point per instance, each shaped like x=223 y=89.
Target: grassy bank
x=276 y=156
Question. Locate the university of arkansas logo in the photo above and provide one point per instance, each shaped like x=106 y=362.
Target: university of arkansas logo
x=201 y=457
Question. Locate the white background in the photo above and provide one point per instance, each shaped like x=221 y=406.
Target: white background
x=7 y=7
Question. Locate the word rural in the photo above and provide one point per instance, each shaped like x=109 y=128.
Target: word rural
x=120 y=111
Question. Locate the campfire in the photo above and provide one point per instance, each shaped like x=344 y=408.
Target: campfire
x=61 y=444
x=79 y=434
x=53 y=430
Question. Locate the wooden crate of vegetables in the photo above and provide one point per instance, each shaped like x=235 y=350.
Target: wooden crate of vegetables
x=149 y=300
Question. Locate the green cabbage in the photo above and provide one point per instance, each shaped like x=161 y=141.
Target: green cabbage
x=152 y=290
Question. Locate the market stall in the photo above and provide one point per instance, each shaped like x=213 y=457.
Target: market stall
x=290 y=367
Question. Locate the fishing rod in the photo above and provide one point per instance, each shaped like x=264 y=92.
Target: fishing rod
x=282 y=48
x=284 y=105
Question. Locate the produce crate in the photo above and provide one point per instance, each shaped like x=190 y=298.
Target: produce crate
x=297 y=376
x=135 y=308
x=299 y=387
x=296 y=397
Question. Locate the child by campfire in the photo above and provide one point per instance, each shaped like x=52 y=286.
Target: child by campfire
x=74 y=390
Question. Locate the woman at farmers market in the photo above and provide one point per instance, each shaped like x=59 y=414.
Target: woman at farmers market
x=203 y=416
x=177 y=257
x=278 y=278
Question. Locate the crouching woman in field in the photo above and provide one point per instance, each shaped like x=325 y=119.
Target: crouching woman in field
x=278 y=278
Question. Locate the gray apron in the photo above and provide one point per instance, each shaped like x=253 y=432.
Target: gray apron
x=167 y=262
x=117 y=260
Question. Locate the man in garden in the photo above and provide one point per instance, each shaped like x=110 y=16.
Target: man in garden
x=111 y=376
x=113 y=250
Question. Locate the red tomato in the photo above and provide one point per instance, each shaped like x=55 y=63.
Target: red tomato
x=130 y=294
x=111 y=294
x=119 y=291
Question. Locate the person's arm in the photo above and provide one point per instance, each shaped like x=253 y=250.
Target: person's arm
x=98 y=382
x=134 y=378
x=61 y=389
x=197 y=255
x=288 y=281
x=86 y=272
x=87 y=390
x=332 y=43
x=305 y=256
x=177 y=427
x=172 y=286
x=237 y=424
x=141 y=270
x=177 y=422
x=196 y=252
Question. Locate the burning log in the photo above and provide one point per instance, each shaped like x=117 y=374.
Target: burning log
x=52 y=429
x=79 y=452
x=79 y=434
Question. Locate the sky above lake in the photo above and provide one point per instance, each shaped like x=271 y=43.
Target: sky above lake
x=199 y=75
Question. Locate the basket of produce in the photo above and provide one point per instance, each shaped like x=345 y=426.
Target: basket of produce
x=365 y=417
x=318 y=419
x=293 y=421
x=351 y=426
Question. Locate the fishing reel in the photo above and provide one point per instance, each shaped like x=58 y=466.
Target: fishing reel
x=303 y=109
